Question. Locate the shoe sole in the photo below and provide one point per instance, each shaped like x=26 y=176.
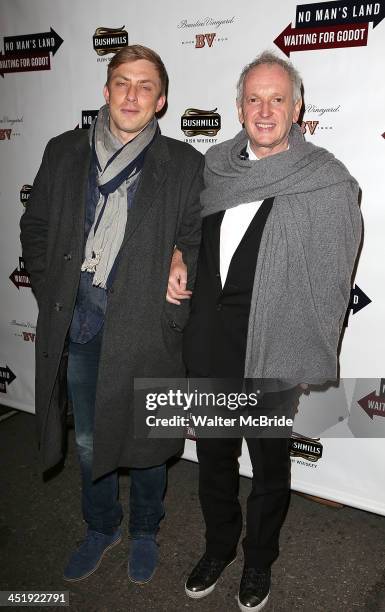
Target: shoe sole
x=97 y=565
x=141 y=581
x=255 y=608
x=201 y=594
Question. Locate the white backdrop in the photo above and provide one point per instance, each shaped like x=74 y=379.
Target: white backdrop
x=51 y=73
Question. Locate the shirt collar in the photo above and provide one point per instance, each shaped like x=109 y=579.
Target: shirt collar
x=251 y=154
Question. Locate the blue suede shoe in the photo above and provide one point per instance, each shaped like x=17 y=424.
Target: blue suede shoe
x=87 y=558
x=143 y=559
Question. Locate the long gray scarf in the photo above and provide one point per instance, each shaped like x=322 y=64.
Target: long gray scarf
x=107 y=232
x=303 y=275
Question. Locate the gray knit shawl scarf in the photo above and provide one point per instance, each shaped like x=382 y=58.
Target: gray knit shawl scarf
x=107 y=232
x=306 y=257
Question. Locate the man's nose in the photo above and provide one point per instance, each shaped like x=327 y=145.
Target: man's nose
x=131 y=93
x=265 y=108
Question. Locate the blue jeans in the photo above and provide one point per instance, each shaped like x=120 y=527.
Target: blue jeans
x=100 y=504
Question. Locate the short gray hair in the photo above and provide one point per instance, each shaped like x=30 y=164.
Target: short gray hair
x=270 y=58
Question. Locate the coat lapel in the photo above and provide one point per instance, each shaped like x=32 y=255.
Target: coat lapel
x=212 y=237
x=154 y=174
x=78 y=191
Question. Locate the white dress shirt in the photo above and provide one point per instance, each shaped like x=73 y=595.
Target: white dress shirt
x=234 y=225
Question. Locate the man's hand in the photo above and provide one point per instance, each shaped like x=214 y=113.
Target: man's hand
x=177 y=280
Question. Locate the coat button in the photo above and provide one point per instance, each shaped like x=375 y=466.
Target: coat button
x=68 y=257
x=219 y=306
x=58 y=306
x=45 y=354
x=218 y=275
x=174 y=325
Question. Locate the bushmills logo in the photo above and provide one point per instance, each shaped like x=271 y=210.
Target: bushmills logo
x=195 y=121
x=29 y=52
x=330 y=25
x=20 y=276
x=307 y=448
x=25 y=192
x=200 y=126
x=109 y=40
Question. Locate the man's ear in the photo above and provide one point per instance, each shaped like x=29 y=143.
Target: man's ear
x=160 y=103
x=106 y=94
x=297 y=110
x=240 y=112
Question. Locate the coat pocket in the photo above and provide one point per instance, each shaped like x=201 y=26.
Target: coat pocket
x=173 y=320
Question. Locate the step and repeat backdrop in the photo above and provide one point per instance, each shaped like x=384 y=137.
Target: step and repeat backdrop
x=53 y=61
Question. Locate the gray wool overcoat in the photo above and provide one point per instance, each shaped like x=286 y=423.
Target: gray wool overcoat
x=142 y=332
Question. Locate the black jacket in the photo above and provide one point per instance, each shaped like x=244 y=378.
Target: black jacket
x=141 y=337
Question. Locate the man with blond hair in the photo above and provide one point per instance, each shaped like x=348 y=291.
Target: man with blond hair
x=280 y=235
x=109 y=210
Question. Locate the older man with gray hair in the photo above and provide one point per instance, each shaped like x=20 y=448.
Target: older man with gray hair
x=281 y=231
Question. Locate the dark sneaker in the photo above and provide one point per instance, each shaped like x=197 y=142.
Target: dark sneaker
x=143 y=559
x=87 y=558
x=204 y=576
x=254 y=590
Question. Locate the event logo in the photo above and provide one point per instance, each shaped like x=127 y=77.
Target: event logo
x=29 y=52
x=310 y=127
x=25 y=192
x=330 y=25
x=358 y=301
x=20 y=276
x=202 y=39
x=307 y=448
x=28 y=331
x=6 y=378
x=109 y=40
x=28 y=336
x=205 y=38
x=195 y=121
x=320 y=111
x=373 y=404
x=5 y=134
x=87 y=118
x=10 y=127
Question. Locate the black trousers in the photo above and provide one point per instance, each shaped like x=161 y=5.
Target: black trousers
x=266 y=505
